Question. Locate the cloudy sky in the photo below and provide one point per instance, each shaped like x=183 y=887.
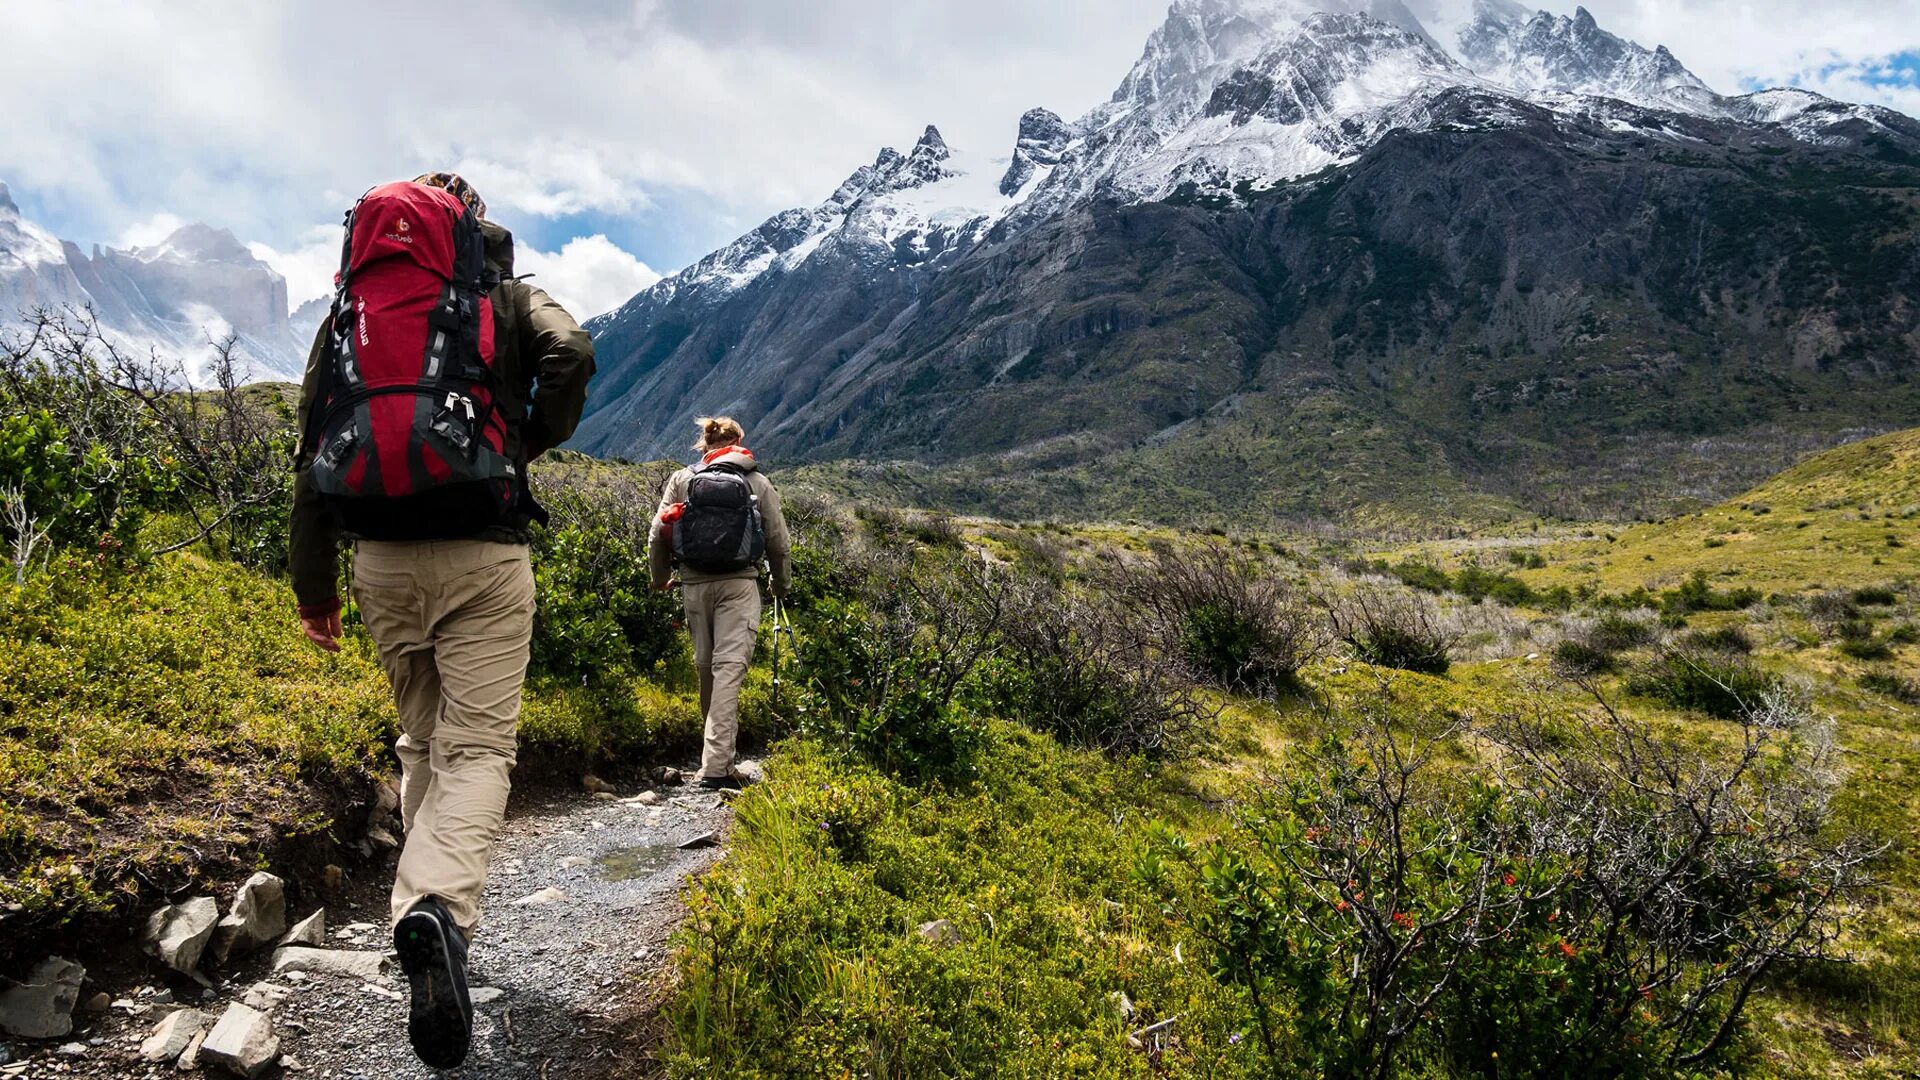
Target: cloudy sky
x=618 y=139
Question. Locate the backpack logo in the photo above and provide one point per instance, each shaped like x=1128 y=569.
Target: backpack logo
x=399 y=235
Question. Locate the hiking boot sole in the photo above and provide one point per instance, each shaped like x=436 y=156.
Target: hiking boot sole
x=438 y=1023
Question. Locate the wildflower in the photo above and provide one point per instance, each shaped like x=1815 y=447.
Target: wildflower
x=1341 y=906
x=1509 y=881
x=1567 y=950
x=1402 y=920
x=1233 y=1038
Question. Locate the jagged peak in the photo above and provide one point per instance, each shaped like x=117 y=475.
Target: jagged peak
x=932 y=143
x=197 y=242
x=7 y=205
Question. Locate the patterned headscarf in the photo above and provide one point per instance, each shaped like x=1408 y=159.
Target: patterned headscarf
x=457 y=187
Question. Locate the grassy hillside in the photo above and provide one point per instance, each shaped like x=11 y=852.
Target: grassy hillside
x=1850 y=516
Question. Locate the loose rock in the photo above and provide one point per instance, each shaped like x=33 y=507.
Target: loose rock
x=179 y=933
x=668 y=775
x=41 y=1005
x=98 y=1003
x=172 y=1036
x=548 y=895
x=242 y=1042
x=485 y=995
x=332 y=878
x=266 y=996
x=190 y=1057
x=939 y=932
x=701 y=841
x=259 y=915
x=73 y=1049
x=381 y=839
x=311 y=930
x=358 y=965
x=594 y=785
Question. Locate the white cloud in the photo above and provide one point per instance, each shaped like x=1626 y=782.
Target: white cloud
x=262 y=117
x=308 y=266
x=590 y=275
x=149 y=232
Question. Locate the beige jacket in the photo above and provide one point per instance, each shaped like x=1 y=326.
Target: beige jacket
x=660 y=548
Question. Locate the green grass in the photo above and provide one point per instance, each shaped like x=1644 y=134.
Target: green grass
x=1827 y=522
x=164 y=724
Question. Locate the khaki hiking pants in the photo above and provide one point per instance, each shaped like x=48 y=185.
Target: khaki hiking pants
x=723 y=616
x=453 y=620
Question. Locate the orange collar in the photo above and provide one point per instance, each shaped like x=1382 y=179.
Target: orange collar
x=715 y=455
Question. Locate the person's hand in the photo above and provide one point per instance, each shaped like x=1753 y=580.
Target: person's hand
x=323 y=630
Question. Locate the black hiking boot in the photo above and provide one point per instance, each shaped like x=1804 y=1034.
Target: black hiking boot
x=433 y=953
x=721 y=783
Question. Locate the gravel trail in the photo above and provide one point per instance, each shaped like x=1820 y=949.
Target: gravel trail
x=583 y=895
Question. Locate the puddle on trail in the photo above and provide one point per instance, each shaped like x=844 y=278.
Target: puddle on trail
x=634 y=863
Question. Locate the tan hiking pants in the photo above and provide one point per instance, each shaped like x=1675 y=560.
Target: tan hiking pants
x=453 y=620
x=723 y=616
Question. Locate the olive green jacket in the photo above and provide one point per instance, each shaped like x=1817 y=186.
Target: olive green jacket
x=543 y=361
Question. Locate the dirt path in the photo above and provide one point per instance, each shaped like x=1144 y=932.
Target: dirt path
x=556 y=970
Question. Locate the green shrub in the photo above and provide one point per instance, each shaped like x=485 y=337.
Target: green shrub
x=1070 y=668
x=873 y=688
x=1236 y=623
x=1575 y=657
x=1382 y=914
x=1718 y=684
x=596 y=615
x=1866 y=648
x=1423 y=576
x=1904 y=634
x=1876 y=596
x=1724 y=639
x=1478 y=584
x=1395 y=630
x=1893 y=686
x=1695 y=594
x=1614 y=631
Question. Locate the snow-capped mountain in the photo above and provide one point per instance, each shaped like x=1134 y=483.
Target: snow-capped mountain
x=1233 y=92
x=1484 y=234
x=196 y=287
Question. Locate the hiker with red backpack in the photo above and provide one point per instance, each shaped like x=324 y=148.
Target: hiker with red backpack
x=718 y=521
x=437 y=377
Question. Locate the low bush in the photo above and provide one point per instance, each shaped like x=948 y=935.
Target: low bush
x=1602 y=904
x=1394 y=629
x=1695 y=594
x=1868 y=647
x=1722 y=639
x=1615 y=631
x=1876 y=596
x=1068 y=667
x=1892 y=685
x=1576 y=657
x=597 y=616
x=1716 y=683
x=875 y=687
x=1234 y=621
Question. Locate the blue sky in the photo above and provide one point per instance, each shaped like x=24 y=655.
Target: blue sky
x=621 y=138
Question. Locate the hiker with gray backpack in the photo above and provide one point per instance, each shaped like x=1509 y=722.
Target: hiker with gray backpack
x=718 y=522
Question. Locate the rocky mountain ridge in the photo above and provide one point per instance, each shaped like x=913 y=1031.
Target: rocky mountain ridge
x=1290 y=215
x=196 y=287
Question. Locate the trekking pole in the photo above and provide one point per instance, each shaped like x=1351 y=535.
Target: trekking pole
x=776 y=656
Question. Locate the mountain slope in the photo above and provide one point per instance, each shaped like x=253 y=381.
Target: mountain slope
x=1522 y=263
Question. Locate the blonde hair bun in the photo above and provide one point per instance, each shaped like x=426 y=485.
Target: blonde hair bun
x=718 y=431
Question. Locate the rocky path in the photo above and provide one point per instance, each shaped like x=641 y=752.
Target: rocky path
x=583 y=897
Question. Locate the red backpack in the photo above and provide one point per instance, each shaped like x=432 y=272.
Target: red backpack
x=410 y=442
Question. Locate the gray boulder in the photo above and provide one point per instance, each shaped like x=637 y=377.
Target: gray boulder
x=179 y=933
x=242 y=1042
x=172 y=1036
x=259 y=915
x=358 y=965
x=41 y=1005
x=311 y=930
